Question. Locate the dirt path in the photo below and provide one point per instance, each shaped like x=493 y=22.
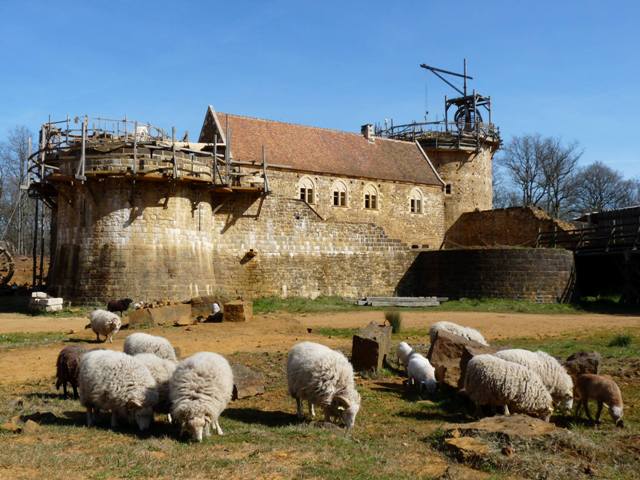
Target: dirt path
x=275 y=332
x=492 y=325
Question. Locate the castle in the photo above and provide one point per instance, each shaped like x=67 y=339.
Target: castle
x=254 y=208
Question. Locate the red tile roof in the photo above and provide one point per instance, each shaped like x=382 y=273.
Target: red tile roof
x=320 y=150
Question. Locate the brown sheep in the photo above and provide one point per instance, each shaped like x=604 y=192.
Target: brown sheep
x=604 y=390
x=67 y=368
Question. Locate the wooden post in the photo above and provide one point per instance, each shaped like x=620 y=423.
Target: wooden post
x=35 y=242
x=264 y=170
x=214 y=174
x=173 y=150
x=41 y=275
x=135 y=148
x=227 y=157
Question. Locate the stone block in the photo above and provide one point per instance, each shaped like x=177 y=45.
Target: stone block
x=583 y=362
x=38 y=295
x=445 y=354
x=161 y=316
x=246 y=382
x=370 y=347
x=201 y=306
x=238 y=311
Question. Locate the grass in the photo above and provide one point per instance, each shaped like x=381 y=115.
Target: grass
x=395 y=320
x=621 y=340
x=20 y=339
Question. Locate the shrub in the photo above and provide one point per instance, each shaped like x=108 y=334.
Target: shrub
x=622 y=340
x=395 y=320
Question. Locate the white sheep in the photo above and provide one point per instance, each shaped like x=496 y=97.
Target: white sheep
x=116 y=382
x=323 y=377
x=492 y=381
x=145 y=343
x=104 y=323
x=199 y=390
x=402 y=352
x=551 y=372
x=161 y=370
x=464 y=332
x=421 y=373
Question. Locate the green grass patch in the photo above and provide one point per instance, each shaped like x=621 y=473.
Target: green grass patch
x=622 y=340
x=20 y=339
x=604 y=342
x=299 y=304
x=336 y=332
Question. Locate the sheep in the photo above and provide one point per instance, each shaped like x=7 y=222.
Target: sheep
x=145 y=343
x=421 y=373
x=161 y=370
x=104 y=323
x=200 y=389
x=551 y=372
x=604 y=390
x=492 y=381
x=67 y=366
x=119 y=383
x=464 y=332
x=403 y=351
x=323 y=377
x=119 y=305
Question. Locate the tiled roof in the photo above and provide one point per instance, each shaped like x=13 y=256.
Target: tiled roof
x=320 y=150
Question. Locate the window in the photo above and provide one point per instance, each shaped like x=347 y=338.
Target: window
x=415 y=201
x=370 y=197
x=339 y=194
x=447 y=189
x=306 y=190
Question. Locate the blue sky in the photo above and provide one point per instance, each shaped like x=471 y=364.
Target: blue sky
x=567 y=69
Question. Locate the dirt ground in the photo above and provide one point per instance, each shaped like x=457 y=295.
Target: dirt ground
x=278 y=331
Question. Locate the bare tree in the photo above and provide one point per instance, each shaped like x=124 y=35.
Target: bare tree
x=559 y=165
x=522 y=163
x=599 y=187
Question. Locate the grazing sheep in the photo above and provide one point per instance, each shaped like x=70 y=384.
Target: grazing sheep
x=551 y=372
x=403 y=352
x=145 y=343
x=104 y=323
x=161 y=370
x=492 y=381
x=116 y=382
x=464 y=332
x=67 y=366
x=323 y=377
x=604 y=390
x=421 y=373
x=119 y=305
x=200 y=389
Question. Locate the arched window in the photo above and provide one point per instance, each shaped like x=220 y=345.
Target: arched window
x=307 y=190
x=370 y=197
x=415 y=201
x=339 y=194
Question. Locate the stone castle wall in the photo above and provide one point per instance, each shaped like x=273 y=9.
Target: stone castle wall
x=150 y=241
x=425 y=229
x=471 y=178
x=535 y=274
x=275 y=246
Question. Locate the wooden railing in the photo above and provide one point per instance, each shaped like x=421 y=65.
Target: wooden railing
x=616 y=237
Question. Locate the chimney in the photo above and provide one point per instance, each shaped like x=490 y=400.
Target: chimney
x=368 y=132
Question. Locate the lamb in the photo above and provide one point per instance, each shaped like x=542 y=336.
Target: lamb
x=67 y=366
x=119 y=305
x=604 y=390
x=551 y=372
x=200 y=389
x=145 y=343
x=323 y=377
x=464 y=332
x=492 y=381
x=421 y=373
x=161 y=370
x=403 y=351
x=104 y=323
x=116 y=382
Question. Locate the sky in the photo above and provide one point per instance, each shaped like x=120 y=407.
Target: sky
x=567 y=69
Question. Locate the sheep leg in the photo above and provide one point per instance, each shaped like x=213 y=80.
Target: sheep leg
x=97 y=337
x=585 y=404
x=312 y=410
x=478 y=412
x=299 y=407
x=506 y=410
x=218 y=428
x=64 y=390
x=598 y=412
x=75 y=391
x=169 y=418
x=110 y=337
x=207 y=429
x=90 y=417
x=114 y=420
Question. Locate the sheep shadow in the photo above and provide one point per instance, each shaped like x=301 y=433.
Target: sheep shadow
x=69 y=419
x=443 y=406
x=274 y=418
x=51 y=395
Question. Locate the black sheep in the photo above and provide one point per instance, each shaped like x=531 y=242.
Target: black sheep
x=67 y=368
x=119 y=305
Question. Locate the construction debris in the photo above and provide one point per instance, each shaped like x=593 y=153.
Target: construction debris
x=41 y=302
x=401 y=301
